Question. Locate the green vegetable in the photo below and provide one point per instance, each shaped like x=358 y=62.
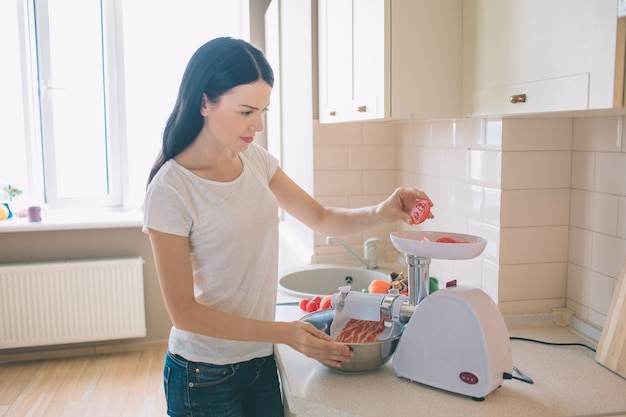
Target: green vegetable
x=434 y=285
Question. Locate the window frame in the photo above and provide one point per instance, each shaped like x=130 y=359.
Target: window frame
x=40 y=140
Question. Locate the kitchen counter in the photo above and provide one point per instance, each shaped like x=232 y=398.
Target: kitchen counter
x=567 y=382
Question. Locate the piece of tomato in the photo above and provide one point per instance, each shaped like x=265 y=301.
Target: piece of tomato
x=312 y=306
x=325 y=303
x=420 y=211
x=303 y=304
x=446 y=239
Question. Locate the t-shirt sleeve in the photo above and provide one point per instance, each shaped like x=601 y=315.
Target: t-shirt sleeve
x=166 y=211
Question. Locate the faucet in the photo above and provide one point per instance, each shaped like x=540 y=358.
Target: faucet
x=369 y=258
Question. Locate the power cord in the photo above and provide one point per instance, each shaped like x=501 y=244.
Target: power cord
x=552 y=343
x=524 y=378
x=520 y=376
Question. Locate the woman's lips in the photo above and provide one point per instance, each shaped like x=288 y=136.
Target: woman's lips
x=247 y=139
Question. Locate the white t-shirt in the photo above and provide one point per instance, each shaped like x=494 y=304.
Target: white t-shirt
x=233 y=238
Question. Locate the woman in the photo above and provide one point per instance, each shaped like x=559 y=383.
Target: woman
x=211 y=211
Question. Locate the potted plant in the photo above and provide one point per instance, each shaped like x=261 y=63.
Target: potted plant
x=7 y=194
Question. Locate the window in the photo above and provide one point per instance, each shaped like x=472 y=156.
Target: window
x=89 y=85
x=80 y=100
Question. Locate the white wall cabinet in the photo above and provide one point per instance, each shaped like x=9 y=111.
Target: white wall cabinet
x=536 y=56
x=389 y=59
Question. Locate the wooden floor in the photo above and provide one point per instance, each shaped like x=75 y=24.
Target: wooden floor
x=116 y=384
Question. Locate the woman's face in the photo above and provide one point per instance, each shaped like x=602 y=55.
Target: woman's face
x=237 y=117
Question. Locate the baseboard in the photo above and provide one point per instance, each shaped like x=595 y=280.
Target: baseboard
x=79 y=350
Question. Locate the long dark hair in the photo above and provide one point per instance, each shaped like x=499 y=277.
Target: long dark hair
x=216 y=67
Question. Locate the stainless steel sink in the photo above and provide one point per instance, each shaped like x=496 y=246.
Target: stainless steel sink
x=324 y=279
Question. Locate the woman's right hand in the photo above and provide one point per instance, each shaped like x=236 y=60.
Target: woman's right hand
x=314 y=343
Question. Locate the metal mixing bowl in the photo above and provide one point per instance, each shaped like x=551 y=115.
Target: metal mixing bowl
x=367 y=356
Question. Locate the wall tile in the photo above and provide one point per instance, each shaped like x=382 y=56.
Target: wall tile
x=337 y=134
x=532 y=281
x=468 y=199
x=372 y=157
x=379 y=182
x=492 y=206
x=490 y=279
x=542 y=169
x=530 y=306
x=610 y=175
x=491 y=234
x=327 y=158
x=583 y=170
x=469 y=133
x=602 y=134
x=493 y=134
x=536 y=134
x=337 y=183
x=608 y=254
x=535 y=207
x=621 y=220
x=485 y=167
x=442 y=133
x=533 y=244
x=379 y=133
x=441 y=192
x=594 y=211
x=590 y=289
x=455 y=164
x=580 y=245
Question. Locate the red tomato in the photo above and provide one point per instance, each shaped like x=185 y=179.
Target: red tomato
x=317 y=299
x=420 y=211
x=446 y=239
x=325 y=303
x=312 y=306
x=303 y=304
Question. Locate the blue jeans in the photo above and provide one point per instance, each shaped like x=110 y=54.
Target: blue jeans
x=194 y=389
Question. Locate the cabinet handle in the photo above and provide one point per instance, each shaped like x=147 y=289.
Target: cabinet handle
x=517 y=98
x=333 y=113
x=361 y=109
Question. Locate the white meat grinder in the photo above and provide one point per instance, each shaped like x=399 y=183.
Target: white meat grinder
x=455 y=339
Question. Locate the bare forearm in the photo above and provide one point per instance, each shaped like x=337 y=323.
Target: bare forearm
x=200 y=319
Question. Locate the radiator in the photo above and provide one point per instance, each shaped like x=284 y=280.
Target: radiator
x=71 y=302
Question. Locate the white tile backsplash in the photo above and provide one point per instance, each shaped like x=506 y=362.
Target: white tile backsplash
x=548 y=194
x=536 y=169
x=535 y=207
x=599 y=134
x=610 y=173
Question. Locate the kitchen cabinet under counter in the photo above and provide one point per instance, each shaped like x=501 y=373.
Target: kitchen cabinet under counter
x=567 y=382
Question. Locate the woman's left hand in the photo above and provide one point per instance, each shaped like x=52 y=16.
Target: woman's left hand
x=399 y=204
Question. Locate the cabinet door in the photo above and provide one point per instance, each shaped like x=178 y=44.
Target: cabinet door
x=548 y=55
x=335 y=60
x=368 y=69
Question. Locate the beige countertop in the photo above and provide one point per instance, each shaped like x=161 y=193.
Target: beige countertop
x=567 y=382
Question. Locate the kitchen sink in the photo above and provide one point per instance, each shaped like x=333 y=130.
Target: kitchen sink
x=324 y=279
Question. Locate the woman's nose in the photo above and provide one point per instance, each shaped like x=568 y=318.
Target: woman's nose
x=259 y=123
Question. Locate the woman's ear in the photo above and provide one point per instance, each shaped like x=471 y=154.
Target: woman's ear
x=205 y=107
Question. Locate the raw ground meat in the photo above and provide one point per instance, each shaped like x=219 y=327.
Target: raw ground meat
x=360 y=331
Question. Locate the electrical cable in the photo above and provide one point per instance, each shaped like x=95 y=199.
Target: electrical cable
x=524 y=378
x=553 y=343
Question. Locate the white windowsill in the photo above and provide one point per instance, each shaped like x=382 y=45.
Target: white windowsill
x=74 y=219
